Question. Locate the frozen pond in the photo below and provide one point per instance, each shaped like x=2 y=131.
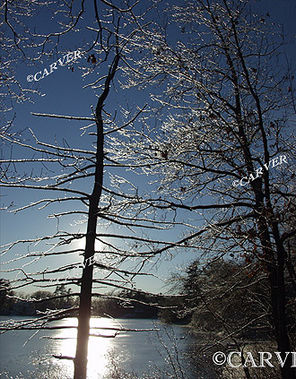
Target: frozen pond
x=160 y=354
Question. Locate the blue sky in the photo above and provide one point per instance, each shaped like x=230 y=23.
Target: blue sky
x=62 y=93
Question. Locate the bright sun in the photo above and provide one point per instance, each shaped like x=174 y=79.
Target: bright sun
x=99 y=348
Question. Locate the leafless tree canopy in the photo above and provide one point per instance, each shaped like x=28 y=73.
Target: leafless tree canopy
x=208 y=153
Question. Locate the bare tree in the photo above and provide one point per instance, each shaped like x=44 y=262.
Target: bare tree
x=224 y=149
x=68 y=171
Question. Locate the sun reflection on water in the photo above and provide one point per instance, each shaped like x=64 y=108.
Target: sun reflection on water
x=98 y=347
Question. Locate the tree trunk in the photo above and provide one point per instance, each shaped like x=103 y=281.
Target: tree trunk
x=80 y=361
x=279 y=306
x=278 y=299
x=276 y=270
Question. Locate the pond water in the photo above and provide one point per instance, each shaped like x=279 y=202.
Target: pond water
x=153 y=354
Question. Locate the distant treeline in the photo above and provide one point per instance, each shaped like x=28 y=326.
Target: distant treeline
x=128 y=303
x=208 y=295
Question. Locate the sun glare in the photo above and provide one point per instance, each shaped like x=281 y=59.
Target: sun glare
x=80 y=244
x=99 y=348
